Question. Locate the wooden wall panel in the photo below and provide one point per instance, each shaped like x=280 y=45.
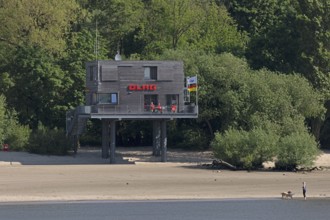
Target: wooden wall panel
x=170 y=80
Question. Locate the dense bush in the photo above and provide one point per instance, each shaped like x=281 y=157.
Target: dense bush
x=249 y=149
x=17 y=136
x=186 y=134
x=245 y=149
x=2 y=118
x=193 y=139
x=231 y=146
x=11 y=132
x=297 y=149
x=48 y=141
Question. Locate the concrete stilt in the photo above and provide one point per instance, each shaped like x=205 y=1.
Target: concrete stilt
x=105 y=138
x=156 y=138
x=112 y=141
x=163 y=141
x=76 y=143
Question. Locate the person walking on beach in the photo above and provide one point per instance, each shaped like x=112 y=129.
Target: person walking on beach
x=304 y=189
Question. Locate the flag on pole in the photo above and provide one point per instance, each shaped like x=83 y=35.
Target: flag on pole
x=192 y=84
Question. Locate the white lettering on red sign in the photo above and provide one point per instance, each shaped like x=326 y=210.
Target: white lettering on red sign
x=144 y=87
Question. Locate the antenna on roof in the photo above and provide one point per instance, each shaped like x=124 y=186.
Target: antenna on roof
x=96 y=46
x=118 y=57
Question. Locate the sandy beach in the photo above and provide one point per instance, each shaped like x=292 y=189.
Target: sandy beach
x=139 y=176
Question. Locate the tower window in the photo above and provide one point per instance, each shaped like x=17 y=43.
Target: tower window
x=150 y=73
x=108 y=98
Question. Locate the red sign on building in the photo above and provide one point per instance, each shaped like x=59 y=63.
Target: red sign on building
x=144 y=87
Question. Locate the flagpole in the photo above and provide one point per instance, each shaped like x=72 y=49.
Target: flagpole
x=196 y=95
x=187 y=84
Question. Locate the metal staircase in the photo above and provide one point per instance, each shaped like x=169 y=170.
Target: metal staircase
x=76 y=120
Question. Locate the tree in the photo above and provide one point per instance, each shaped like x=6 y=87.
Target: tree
x=11 y=132
x=2 y=118
x=36 y=22
x=48 y=141
x=217 y=31
x=80 y=49
x=249 y=149
x=39 y=85
x=115 y=20
x=245 y=149
x=296 y=149
x=289 y=36
x=15 y=135
x=199 y=25
x=168 y=21
x=32 y=39
x=233 y=95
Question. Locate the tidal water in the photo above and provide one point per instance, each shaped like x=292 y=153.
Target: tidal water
x=247 y=209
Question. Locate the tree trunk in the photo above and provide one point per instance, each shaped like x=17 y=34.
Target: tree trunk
x=210 y=127
x=316 y=124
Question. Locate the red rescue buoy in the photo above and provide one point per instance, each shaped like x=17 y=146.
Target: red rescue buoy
x=5 y=147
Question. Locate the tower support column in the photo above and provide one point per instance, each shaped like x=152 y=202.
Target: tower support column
x=105 y=138
x=163 y=141
x=112 y=141
x=156 y=138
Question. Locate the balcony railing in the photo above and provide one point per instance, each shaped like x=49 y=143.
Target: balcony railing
x=145 y=110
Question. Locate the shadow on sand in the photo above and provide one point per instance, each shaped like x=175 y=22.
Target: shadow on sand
x=83 y=157
x=92 y=156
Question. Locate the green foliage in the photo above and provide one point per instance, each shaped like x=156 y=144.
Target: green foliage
x=37 y=22
x=296 y=149
x=39 y=85
x=245 y=149
x=44 y=45
x=249 y=149
x=5 y=82
x=325 y=135
x=16 y=135
x=246 y=100
x=2 y=118
x=92 y=136
x=188 y=137
x=217 y=31
x=233 y=95
x=80 y=50
x=48 y=141
x=11 y=132
x=130 y=136
x=116 y=20
x=194 y=24
x=230 y=145
x=288 y=36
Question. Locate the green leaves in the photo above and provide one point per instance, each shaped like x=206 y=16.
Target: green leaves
x=245 y=149
x=250 y=149
x=194 y=24
x=11 y=132
x=45 y=44
x=36 y=22
x=288 y=36
x=48 y=141
x=39 y=86
x=296 y=149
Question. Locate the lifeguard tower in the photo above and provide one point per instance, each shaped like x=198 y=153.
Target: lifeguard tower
x=132 y=90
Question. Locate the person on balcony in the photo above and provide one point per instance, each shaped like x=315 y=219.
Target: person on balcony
x=152 y=107
x=159 y=108
x=173 y=108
